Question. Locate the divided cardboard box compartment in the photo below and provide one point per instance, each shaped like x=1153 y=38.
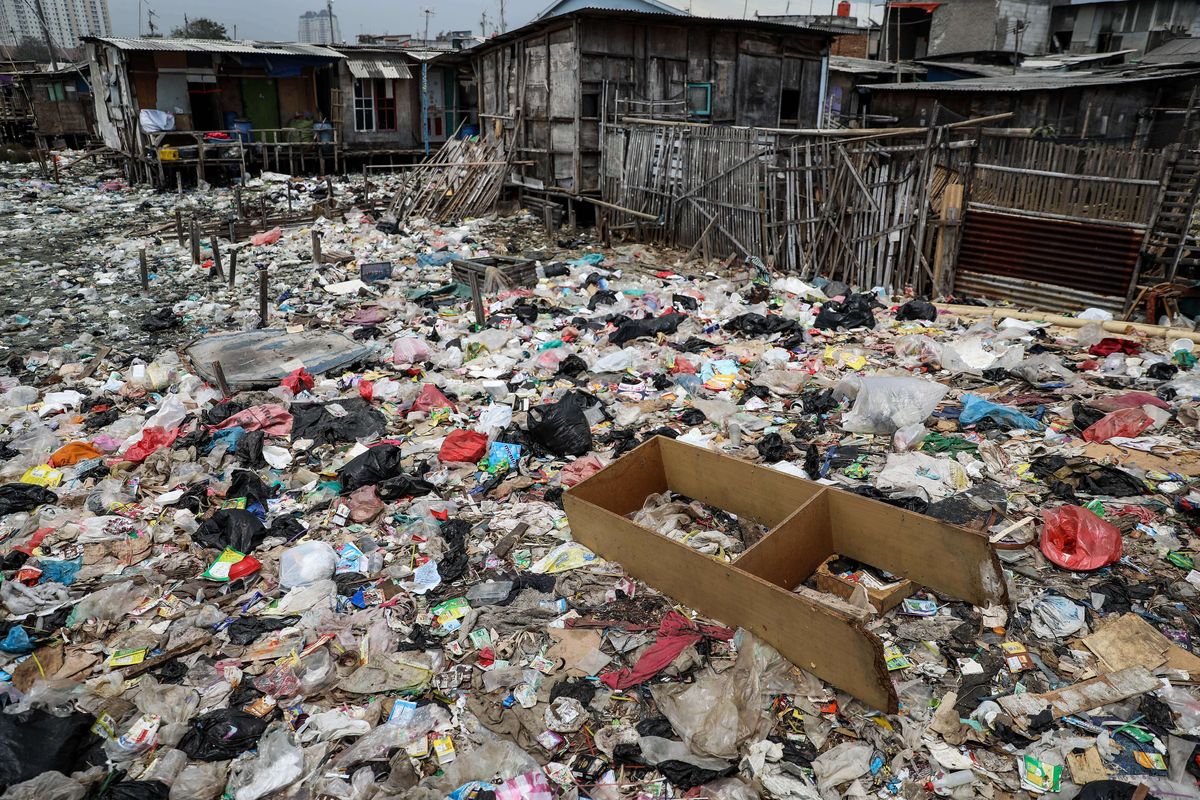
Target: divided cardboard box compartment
x=761 y=590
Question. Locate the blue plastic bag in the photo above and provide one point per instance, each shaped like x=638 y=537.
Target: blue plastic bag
x=976 y=408
x=17 y=641
x=63 y=572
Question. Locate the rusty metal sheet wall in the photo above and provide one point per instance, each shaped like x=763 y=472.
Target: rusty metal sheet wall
x=1088 y=257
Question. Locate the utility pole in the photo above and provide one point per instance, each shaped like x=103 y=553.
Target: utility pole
x=329 y=11
x=483 y=24
x=150 y=15
x=428 y=13
x=503 y=23
x=41 y=15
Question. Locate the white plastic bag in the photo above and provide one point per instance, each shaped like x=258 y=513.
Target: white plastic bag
x=885 y=403
x=306 y=563
x=279 y=764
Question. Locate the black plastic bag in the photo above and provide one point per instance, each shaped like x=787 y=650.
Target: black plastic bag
x=245 y=630
x=855 y=312
x=688 y=776
x=602 y=298
x=136 y=790
x=1162 y=371
x=758 y=325
x=641 y=328
x=920 y=308
x=685 y=301
x=101 y=420
x=37 y=741
x=525 y=312
x=247 y=484
x=562 y=428
x=222 y=734
x=754 y=390
x=772 y=448
x=1085 y=417
x=374 y=466
x=231 y=527
x=818 y=401
x=692 y=416
x=249 y=452
x=23 y=497
x=572 y=366
x=162 y=320
x=402 y=486
x=453 y=564
x=1109 y=790
x=315 y=421
x=556 y=270
x=222 y=411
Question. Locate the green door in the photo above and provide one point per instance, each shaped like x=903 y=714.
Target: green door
x=260 y=99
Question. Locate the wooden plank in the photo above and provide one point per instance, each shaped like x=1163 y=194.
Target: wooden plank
x=759 y=493
x=945 y=558
x=791 y=552
x=826 y=638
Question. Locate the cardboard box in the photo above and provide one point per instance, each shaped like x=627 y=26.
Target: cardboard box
x=809 y=523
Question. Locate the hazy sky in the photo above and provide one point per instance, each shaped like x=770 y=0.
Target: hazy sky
x=277 y=19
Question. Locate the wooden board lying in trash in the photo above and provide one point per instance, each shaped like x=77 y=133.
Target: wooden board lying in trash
x=260 y=358
x=1079 y=697
x=810 y=522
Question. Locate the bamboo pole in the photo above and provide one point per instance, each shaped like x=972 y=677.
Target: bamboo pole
x=1112 y=326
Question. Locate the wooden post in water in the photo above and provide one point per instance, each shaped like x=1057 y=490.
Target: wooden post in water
x=222 y=383
x=195 y=241
x=233 y=254
x=217 y=273
x=262 y=296
x=179 y=226
x=144 y=269
x=316 y=248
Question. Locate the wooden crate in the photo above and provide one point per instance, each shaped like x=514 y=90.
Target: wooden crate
x=762 y=590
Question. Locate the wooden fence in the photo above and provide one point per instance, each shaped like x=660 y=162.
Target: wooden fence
x=856 y=209
x=871 y=209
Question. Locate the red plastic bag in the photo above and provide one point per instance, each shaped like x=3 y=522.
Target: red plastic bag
x=152 y=439
x=431 y=397
x=1124 y=422
x=298 y=381
x=1075 y=538
x=1110 y=345
x=366 y=390
x=463 y=446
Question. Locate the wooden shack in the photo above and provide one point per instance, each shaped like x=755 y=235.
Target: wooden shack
x=551 y=85
x=62 y=107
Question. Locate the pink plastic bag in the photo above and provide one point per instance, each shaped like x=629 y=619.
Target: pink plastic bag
x=1128 y=422
x=530 y=786
x=266 y=237
x=1075 y=538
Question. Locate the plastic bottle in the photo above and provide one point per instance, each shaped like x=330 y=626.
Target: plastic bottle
x=944 y=783
x=489 y=593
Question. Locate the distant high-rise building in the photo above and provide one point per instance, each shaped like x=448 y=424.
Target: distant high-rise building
x=65 y=20
x=314 y=28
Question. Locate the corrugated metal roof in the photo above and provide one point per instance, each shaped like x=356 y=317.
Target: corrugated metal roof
x=245 y=47
x=866 y=66
x=379 y=67
x=1176 y=51
x=682 y=20
x=1037 y=82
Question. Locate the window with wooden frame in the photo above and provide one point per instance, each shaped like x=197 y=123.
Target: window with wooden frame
x=385 y=105
x=699 y=99
x=57 y=92
x=364 y=104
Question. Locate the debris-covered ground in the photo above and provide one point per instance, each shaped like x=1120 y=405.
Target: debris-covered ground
x=362 y=584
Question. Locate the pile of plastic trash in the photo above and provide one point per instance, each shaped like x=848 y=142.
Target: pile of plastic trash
x=359 y=582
